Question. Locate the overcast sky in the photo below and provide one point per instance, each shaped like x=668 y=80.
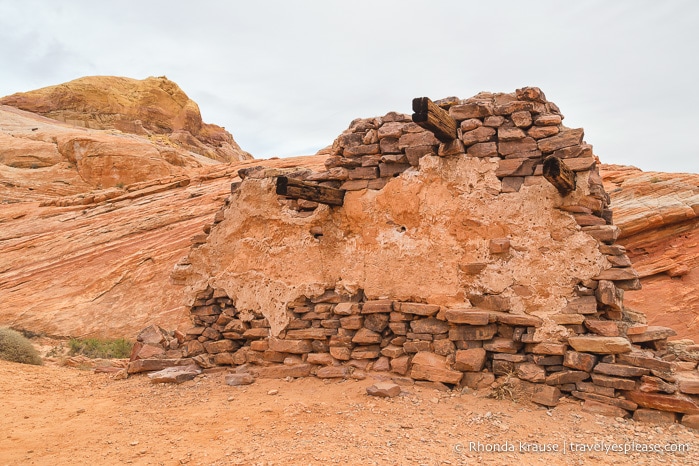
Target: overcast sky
x=286 y=77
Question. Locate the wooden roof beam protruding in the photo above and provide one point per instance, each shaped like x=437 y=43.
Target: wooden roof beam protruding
x=434 y=118
x=298 y=189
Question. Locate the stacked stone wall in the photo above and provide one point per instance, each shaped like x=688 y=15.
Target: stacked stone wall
x=593 y=348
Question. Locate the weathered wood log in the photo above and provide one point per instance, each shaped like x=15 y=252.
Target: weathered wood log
x=558 y=174
x=298 y=189
x=433 y=118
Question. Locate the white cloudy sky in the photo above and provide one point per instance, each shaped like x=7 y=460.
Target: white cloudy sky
x=285 y=77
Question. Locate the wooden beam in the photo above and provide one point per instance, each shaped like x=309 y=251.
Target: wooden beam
x=434 y=118
x=558 y=174
x=298 y=189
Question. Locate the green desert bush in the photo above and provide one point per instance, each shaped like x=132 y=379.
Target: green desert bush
x=16 y=348
x=100 y=348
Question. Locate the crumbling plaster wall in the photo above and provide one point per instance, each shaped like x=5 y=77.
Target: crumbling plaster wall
x=424 y=237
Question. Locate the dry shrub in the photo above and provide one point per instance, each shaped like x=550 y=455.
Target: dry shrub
x=16 y=348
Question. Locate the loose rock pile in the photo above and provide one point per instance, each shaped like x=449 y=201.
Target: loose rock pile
x=593 y=349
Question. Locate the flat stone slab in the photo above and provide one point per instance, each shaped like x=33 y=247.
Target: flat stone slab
x=175 y=374
x=653 y=333
x=672 y=403
x=599 y=344
x=467 y=316
x=621 y=370
x=149 y=365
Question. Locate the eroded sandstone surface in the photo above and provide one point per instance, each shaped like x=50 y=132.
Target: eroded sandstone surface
x=657 y=214
x=154 y=107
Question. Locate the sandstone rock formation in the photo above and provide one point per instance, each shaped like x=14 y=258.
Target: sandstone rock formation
x=657 y=214
x=99 y=265
x=153 y=107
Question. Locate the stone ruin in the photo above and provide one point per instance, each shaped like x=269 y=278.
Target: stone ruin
x=469 y=245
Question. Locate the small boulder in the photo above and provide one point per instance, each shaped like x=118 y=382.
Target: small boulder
x=384 y=389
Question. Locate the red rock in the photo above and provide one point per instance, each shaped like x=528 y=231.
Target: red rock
x=141 y=351
x=653 y=333
x=639 y=359
x=546 y=395
x=470 y=360
x=618 y=402
x=531 y=372
x=354 y=322
x=566 y=138
x=152 y=335
x=506 y=133
x=471 y=316
x=595 y=407
x=477 y=380
x=467 y=332
x=691 y=421
x=599 y=344
x=470 y=110
x=322 y=359
x=524 y=145
x=613 y=382
x=551 y=348
x=366 y=352
x=540 y=132
x=400 y=365
x=673 y=403
x=239 y=379
x=653 y=416
x=581 y=305
x=568 y=319
x=483 y=150
x=606 y=328
x=376 y=322
x=430 y=366
x=175 y=374
x=392 y=351
x=340 y=352
x=221 y=346
x=588 y=387
x=518 y=320
x=580 y=361
x=502 y=345
x=429 y=325
x=384 y=389
x=480 y=134
x=565 y=377
x=522 y=119
x=620 y=370
x=688 y=382
x=333 y=372
x=427 y=310
x=365 y=336
x=549 y=119
x=154 y=105
x=290 y=346
x=308 y=334
x=282 y=372
x=147 y=365
x=515 y=167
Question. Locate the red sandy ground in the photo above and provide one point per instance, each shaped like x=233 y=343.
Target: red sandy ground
x=60 y=415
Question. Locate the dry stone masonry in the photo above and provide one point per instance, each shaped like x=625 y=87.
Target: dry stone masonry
x=467 y=246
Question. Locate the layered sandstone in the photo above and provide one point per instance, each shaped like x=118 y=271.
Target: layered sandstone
x=155 y=108
x=657 y=214
x=97 y=263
